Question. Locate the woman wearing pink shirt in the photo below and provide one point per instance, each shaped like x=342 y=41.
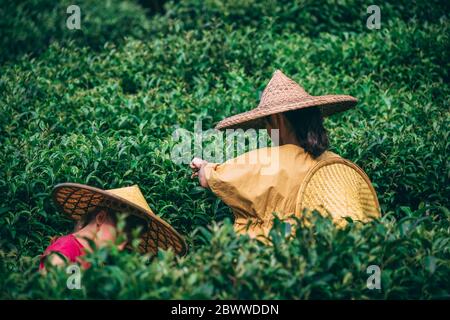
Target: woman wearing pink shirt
x=96 y=212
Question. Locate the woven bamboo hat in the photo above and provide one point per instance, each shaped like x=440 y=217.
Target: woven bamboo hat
x=284 y=94
x=76 y=200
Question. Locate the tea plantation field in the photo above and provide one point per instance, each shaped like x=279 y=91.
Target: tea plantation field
x=99 y=105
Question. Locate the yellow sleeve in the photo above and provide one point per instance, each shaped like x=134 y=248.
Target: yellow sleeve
x=240 y=184
x=231 y=183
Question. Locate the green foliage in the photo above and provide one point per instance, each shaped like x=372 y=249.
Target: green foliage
x=29 y=26
x=317 y=263
x=99 y=106
x=310 y=17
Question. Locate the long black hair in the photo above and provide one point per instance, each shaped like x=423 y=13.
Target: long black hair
x=309 y=129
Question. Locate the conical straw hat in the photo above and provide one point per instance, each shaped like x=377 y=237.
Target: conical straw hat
x=284 y=94
x=76 y=200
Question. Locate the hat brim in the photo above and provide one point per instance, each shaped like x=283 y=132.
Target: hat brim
x=76 y=200
x=328 y=104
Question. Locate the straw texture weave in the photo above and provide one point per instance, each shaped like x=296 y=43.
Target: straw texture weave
x=339 y=188
x=284 y=94
x=76 y=200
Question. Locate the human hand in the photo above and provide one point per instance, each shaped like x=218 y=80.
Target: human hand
x=196 y=164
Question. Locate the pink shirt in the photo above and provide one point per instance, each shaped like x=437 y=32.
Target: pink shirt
x=68 y=246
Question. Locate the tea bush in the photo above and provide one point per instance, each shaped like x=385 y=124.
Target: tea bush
x=319 y=263
x=29 y=26
x=99 y=106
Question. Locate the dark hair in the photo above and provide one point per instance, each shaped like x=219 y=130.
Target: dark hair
x=90 y=216
x=131 y=221
x=309 y=129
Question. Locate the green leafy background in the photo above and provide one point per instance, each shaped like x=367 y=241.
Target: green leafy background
x=99 y=106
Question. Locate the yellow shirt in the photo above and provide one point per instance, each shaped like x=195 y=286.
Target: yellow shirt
x=261 y=182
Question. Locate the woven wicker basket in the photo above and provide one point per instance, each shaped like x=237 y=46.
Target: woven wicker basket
x=338 y=188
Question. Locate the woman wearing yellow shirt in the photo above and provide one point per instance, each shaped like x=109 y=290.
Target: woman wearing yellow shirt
x=304 y=176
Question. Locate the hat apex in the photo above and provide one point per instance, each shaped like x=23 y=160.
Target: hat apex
x=132 y=194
